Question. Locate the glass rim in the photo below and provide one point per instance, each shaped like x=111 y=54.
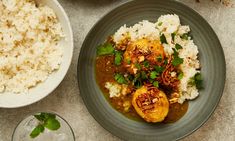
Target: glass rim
x=33 y=113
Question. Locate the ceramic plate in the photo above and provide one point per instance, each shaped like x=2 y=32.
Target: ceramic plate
x=211 y=58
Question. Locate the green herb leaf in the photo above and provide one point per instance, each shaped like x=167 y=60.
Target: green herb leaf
x=143 y=75
x=198 y=80
x=160 y=24
x=120 y=79
x=44 y=116
x=118 y=58
x=156 y=84
x=153 y=74
x=178 y=46
x=130 y=77
x=180 y=76
x=177 y=61
x=159 y=58
x=36 y=131
x=166 y=61
x=163 y=39
x=52 y=124
x=173 y=36
x=138 y=66
x=175 y=54
x=146 y=64
x=105 y=49
x=159 y=69
x=137 y=80
x=185 y=36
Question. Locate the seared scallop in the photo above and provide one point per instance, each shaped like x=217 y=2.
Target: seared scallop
x=150 y=103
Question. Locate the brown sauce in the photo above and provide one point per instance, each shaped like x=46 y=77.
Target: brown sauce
x=105 y=70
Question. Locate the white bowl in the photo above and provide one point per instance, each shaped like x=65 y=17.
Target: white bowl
x=11 y=100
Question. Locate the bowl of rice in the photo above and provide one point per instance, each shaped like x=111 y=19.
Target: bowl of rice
x=36 y=48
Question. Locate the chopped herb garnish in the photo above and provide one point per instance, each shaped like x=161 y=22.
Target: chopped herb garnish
x=118 y=58
x=163 y=39
x=138 y=66
x=105 y=49
x=130 y=77
x=120 y=78
x=137 y=81
x=178 y=46
x=160 y=24
x=159 y=69
x=165 y=61
x=177 y=61
x=156 y=84
x=198 y=80
x=144 y=75
x=146 y=64
x=185 y=36
x=159 y=58
x=180 y=76
x=153 y=74
x=47 y=120
x=173 y=36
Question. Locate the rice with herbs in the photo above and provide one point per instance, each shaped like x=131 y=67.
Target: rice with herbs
x=29 y=53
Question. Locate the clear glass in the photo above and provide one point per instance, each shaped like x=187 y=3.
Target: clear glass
x=25 y=127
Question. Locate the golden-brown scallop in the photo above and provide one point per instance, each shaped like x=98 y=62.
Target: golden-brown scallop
x=151 y=104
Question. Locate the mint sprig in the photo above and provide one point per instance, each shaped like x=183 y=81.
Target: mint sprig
x=46 y=120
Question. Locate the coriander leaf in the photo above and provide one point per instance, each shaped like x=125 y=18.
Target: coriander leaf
x=156 y=84
x=177 y=61
x=143 y=75
x=178 y=46
x=36 y=131
x=166 y=61
x=185 y=36
x=120 y=79
x=146 y=64
x=130 y=77
x=105 y=49
x=52 y=124
x=153 y=74
x=198 y=80
x=180 y=76
x=138 y=66
x=137 y=81
x=118 y=58
x=160 y=24
x=173 y=36
x=159 y=69
x=175 y=54
x=163 y=39
x=159 y=58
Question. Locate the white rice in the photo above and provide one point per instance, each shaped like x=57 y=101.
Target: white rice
x=28 y=45
x=168 y=24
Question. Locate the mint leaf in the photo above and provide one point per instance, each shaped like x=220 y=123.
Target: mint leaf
x=163 y=39
x=178 y=46
x=120 y=78
x=118 y=58
x=52 y=124
x=105 y=49
x=36 y=131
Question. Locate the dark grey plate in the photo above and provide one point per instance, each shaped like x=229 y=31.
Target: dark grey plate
x=211 y=58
